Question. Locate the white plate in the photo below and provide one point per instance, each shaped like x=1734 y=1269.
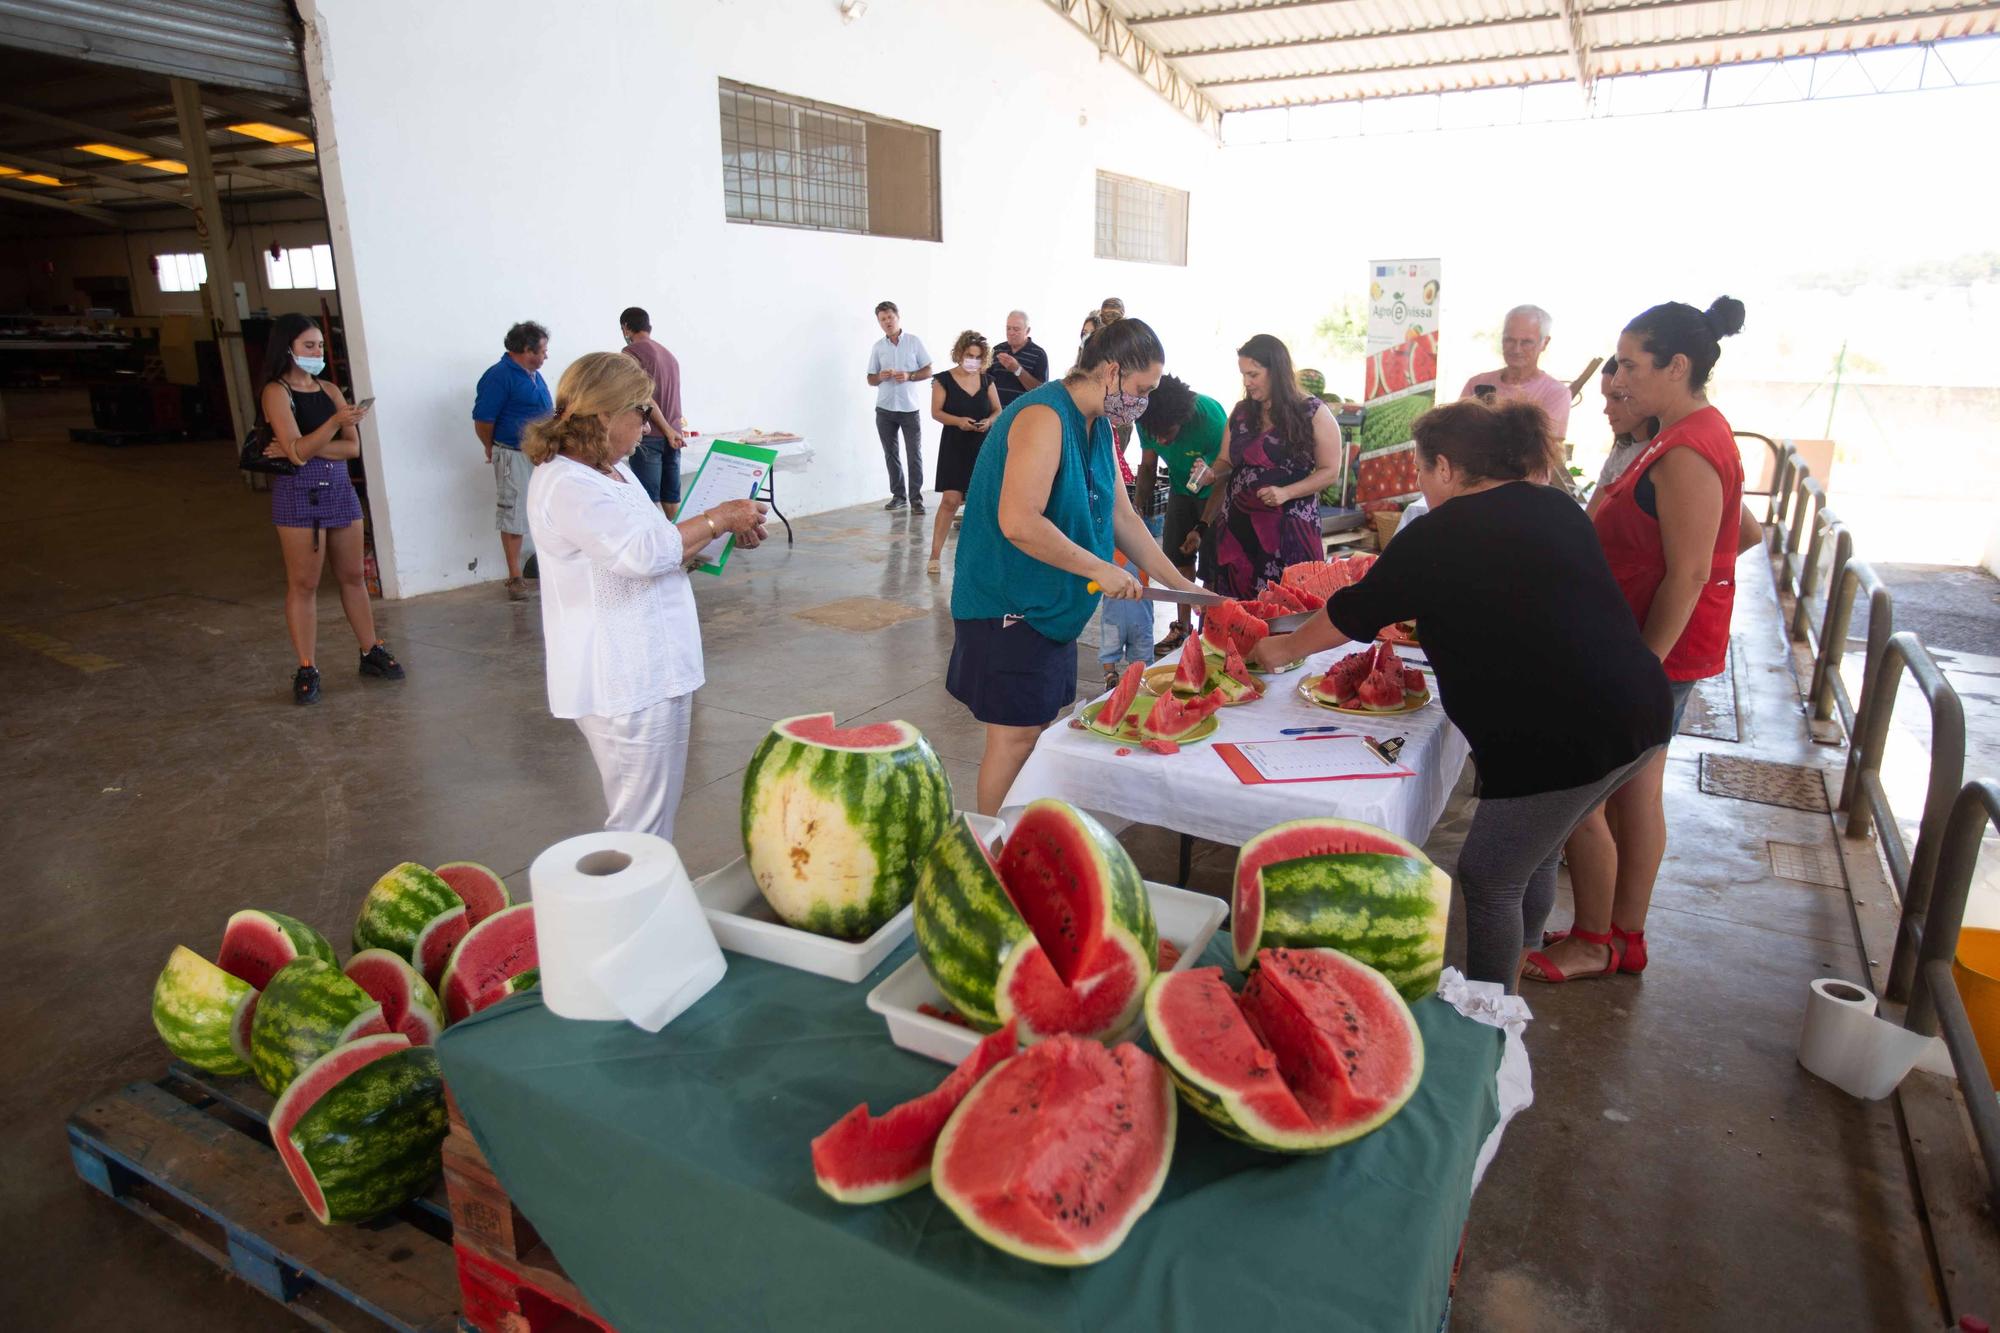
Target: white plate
x=1186 y=920
x=744 y=923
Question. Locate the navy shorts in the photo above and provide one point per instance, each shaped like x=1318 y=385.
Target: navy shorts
x=658 y=468
x=1010 y=674
x=1681 y=691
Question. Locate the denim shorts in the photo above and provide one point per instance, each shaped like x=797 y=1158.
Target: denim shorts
x=658 y=468
x=1126 y=634
x=1009 y=673
x=1682 y=690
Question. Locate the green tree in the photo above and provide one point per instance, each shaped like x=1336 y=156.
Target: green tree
x=1344 y=331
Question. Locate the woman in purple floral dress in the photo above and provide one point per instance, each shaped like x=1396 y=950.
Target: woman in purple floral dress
x=1284 y=449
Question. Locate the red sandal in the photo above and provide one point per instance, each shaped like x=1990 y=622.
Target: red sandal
x=1553 y=975
x=1635 y=945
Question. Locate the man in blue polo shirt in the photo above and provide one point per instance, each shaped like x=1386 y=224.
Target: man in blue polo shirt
x=512 y=394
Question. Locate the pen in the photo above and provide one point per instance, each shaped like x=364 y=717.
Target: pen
x=1312 y=731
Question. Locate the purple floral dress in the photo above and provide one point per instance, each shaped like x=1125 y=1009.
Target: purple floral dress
x=1254 y=542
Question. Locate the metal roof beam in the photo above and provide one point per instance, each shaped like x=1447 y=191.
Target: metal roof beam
x=147 y=188
x=158 y=148
x=1363 y=71
x=66 y=205
x=1579 y=45
x=1115 y=38
x=1235 y=11
x=1380 y=35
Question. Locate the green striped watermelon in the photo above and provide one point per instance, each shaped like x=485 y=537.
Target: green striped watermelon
x=398 y=907
x=482 y=891
x=1332 y=883
x=256 y=943
x=1057 y=934
x=836 y=821
x=359 y=1129
x=195 y=1006
x=308 y=1009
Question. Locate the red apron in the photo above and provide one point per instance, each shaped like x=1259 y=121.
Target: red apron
x=1631 y=540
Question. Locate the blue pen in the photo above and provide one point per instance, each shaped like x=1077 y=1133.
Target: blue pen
x=1313 y=731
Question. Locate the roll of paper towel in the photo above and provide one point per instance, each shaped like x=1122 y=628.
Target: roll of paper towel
x=1845 y=1043
x=619 y=930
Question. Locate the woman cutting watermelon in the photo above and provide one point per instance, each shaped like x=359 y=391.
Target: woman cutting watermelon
x=1537 y=660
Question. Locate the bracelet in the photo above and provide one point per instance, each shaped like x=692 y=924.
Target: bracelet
x=711 y=525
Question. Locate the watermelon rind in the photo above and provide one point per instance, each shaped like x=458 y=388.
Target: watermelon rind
x=1315 y=836
x=195 y=1006
x=370 y=1141
x=488 y=960
x=409 y=1005
x=1388 y=911
x=965 y=1121
x=256 y=943
x=309 y=1008
x=833 y=832
x=964 y=923
x=398 y=906
x=480 y=887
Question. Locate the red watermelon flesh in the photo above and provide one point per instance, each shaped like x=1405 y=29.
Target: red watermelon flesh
x=394 y=984
x=1112 y=714
x=1214 y=1043
x=1381 y=691
x=317 y=1079
x=1174 y=718
x=255 y=946
x=1234 y=668
x=1290 y=842
x=1413 y=681
x=482 y=891
x=437 y=941
x=1036 y=866
x=819 y=729
x=1193 y=673
x=1055 y=1155
x=490 y=956
x=1100 y=1001
x=1158 y=746
x=865 y=1159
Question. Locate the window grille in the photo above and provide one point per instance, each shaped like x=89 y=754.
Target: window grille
x=1140 y=221
x=790 y=162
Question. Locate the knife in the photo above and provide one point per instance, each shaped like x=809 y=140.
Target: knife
x=1199 y=597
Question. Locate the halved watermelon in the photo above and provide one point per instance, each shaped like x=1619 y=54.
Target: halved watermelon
x=432 y=950
x=255 y=944
x=1346 y=885
x=483 y=891
x=196 y=1009
x=1055 y=1155
x=487 y=961
x=409 y=1005
x=359 y=1130
x=866 y=1159
x=1122 y=699
x=1318 y=1050
x=1172 y=718
x=1192 y=677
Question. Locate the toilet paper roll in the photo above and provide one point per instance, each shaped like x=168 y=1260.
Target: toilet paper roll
x=619 y=930
x=1848 y=1045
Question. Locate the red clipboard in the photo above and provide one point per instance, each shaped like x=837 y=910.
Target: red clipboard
x=1247 y=773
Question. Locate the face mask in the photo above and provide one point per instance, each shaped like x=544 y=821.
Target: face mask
x=311 y=365
x=970 y=365
x=1124 y=408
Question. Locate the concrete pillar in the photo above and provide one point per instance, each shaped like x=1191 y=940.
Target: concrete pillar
x=210 y=225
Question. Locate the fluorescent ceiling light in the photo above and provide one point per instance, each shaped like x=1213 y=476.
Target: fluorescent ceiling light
x=38 y=178
x=166 y=164
x=256 y=129
x=9 y=171
x=117 y=154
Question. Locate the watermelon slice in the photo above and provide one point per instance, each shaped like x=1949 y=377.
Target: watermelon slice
x=1113 y=713
x=1342 y=1044
x=1231 y=627
x=196 y=1009
x=359 y=1129
x=483 y=891
x=1055 y=1155
x=487 y=961
x=1172 y=719
x=255 y=944
x=432 y=950
x=866 y=1159
x=1192 y=677
x=409 y=1005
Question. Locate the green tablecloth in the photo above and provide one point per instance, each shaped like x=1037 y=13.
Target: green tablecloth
x=671 y=1176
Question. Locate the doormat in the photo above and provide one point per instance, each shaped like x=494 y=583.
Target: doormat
x=863 y=615
x=1806 y=864
x=1711 y=710
x=1760 y=780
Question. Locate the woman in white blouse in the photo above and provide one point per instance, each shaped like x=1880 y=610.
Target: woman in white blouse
x=623 y=646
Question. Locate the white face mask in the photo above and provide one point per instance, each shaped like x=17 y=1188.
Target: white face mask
x=970 y=365
x=311 y=365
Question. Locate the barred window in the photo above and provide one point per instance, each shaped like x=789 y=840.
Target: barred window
x=790 y=162
x=1141 y=221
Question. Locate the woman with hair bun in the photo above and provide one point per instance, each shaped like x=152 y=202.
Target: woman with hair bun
x=1670 y=527
x=1538 y=661
x=623 y=646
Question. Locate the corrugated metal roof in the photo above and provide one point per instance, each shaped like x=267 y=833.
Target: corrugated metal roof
x=1248 y=54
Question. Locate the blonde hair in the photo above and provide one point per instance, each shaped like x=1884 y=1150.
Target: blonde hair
x=972 y=338
x=596 y=385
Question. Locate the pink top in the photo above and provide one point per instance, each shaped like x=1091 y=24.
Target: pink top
x=665 y=369
x=1544 y=390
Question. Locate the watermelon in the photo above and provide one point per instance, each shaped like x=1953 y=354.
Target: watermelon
x=398 y=907
x=409 y=1005
x=1192 y=677
x=435 y=942
x=1057 y=933
x=308 y=1009
x=866 y=1159
x=359 y=1129
x=1055 y=1155
x=1318 y=1050
x=255 y=944
x=1351 y=886
x=835 y=821
x=1231 y=628
x=493 y=955
x=1115 y=709
x=1234 y=679
x=1173 y=719
x=196 y=1006
x=482 y=891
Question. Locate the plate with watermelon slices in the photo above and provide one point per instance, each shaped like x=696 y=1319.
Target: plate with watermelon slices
x=1161 y=723
x=1373 y=682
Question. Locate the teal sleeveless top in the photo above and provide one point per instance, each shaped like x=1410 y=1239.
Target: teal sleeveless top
x=994 y=578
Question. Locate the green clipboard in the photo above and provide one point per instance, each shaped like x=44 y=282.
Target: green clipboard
x=731 y=471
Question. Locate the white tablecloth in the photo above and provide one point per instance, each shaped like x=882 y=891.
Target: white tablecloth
x=1194 y=791
x=792 y=455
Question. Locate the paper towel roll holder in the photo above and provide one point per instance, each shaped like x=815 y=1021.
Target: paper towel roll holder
x=604 y=861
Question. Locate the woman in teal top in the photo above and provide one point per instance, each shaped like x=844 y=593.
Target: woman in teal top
x=1042 y=516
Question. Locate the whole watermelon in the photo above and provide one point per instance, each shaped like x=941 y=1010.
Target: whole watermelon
x=836 y=820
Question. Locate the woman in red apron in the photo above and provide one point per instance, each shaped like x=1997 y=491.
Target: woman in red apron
x=1670 y=531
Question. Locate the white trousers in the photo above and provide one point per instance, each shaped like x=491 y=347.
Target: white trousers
x=642 y=761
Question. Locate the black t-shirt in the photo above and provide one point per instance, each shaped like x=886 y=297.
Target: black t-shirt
x=1538 y=659
x=1033 y=359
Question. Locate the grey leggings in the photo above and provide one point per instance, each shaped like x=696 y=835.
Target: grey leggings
x=1507 y=869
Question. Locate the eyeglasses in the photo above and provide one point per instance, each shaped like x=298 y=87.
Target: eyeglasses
x=640 y=408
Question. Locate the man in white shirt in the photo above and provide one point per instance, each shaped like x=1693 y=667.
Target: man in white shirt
x=897 y=363
x=1523 y=338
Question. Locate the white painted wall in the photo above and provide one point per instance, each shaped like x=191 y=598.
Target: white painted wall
x=494 y=160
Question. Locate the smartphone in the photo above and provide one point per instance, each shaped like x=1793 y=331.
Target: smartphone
x=366 y=404
x=1483 y=392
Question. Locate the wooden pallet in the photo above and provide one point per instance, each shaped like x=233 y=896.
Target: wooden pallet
x=190 y=1154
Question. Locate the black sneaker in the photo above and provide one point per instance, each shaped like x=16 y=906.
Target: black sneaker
x=896 y=502
x=305 y=685
x=916 y=506
x=377 y=662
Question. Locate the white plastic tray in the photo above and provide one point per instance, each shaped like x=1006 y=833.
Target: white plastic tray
x=744 y=923
x=1187 y=920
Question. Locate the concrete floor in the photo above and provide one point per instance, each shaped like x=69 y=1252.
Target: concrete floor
x=1679 y=1170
